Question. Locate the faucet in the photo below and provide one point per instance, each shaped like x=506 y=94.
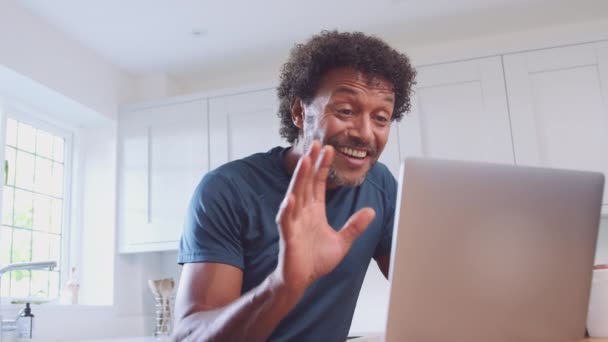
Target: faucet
x=28 y=266
x=11 y=324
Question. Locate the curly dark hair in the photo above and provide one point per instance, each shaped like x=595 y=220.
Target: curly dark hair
x=309 y=62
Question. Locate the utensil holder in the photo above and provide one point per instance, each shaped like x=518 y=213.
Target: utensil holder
x=164 y=315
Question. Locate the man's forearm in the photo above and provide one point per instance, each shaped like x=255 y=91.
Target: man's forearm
x=252 y=317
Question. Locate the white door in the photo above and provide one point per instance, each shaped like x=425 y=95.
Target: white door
x=459 y=111
x=162 y=156
x=559 y=107
x=243 y=124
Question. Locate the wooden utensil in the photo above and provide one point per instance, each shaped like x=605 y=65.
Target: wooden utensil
x=166 y=287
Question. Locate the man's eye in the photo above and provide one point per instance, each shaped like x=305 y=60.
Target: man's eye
x=345 y=111
x=382 y=119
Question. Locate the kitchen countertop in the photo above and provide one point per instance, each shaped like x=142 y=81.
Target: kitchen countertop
x=379 y=339
x=134 y=339
x=373 y=338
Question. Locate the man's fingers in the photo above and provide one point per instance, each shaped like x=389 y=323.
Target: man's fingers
x=356 y=225
x=297 y=186
x=308 y=188
x=322 y=170
x=285 y=211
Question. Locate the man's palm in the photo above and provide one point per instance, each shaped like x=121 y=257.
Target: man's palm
x=310 y=248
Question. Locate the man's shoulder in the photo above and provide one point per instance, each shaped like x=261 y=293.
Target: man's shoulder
x=252 y=172
x=261 y=161
x=381 y=179
x=380 y=174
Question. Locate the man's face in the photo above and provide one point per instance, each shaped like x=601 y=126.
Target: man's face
x=352 y=112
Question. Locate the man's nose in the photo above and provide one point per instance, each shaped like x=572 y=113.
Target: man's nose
x=363 y=129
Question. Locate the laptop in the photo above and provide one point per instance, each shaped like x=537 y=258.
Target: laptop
x=485 y=252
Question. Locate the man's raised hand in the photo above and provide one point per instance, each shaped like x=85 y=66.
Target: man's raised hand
x=309 y=247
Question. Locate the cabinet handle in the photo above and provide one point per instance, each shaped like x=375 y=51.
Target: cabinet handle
x=148 y=178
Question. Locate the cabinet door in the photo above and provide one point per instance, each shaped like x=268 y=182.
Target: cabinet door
x=243 y=124
x=559 y=107
x=391 y=156
x=162 y=156
x=459 y=111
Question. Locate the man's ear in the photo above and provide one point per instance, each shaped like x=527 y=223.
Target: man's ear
x=297 y=113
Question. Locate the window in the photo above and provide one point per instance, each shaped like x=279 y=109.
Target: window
x=34 y=207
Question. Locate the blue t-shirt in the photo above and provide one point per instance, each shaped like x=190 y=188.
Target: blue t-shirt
x=231 y=220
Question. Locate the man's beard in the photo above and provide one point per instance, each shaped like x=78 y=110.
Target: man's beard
x=313 y=133
x=336 y=142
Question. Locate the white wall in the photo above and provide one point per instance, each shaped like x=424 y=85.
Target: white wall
x=601 y=255
x=150 y=87
x=169 y=265
x=423 y=54
x=95 y=205
x=40 y=52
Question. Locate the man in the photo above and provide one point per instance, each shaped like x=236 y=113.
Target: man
x=276 y=245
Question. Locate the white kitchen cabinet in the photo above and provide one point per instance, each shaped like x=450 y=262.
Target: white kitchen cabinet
x=163 y=153
x=559 y=107
x=459 y=111
x=243 y=124
x=391 y=156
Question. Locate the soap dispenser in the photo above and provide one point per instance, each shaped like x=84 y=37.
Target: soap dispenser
x=25 y=323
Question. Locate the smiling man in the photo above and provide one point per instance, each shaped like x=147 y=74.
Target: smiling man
x=276 y=245
x=351 y=112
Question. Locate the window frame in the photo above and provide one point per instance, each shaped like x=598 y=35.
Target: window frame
x=30 y=117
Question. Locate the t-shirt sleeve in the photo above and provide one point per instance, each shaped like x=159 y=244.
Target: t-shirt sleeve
x=386 y=240
x=213 y=224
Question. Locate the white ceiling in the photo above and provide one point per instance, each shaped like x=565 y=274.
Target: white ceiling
x=155 y=36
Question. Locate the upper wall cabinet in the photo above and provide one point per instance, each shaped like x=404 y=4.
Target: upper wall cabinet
x=559 y=107
x=243 y=124
x=459 y=111
x=391 y=155
x=163 y=153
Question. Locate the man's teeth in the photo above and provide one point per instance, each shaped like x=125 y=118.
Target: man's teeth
x=352 y=152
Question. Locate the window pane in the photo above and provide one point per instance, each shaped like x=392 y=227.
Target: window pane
x=20 y=284
x=23 y=208
x=54 y=248
x=22 y=246
x=44 y=144
x=26 y=137
x=43 y=178
x=58 y=147
x=42 y=213
x=5 y=245
x=32 y=209
x=56 y=215
x=47 y=247
x=57 y=183
x=40 y=284
x=5 y=284
x=53 y=284
x=11 y=132
x=25 y=170
x=41 y=250
x=10 y=154
x=7 y=203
